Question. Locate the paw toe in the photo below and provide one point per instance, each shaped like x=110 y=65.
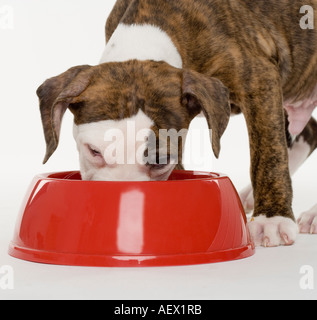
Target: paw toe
x=273 y=232
x=308 y=221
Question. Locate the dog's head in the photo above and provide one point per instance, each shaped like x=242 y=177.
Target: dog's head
x=129 y=117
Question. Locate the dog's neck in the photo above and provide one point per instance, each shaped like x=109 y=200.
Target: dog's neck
x=141 y=42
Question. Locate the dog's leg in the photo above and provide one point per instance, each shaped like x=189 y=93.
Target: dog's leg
x=247 y=198
x=273 y=222
x=304 y=145
x=308 y=140
x=299 y=150
x=298 y=153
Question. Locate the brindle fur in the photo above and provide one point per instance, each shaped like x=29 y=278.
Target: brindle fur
x=255 y=48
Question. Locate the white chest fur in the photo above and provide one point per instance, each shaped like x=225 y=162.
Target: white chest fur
x=141 y=42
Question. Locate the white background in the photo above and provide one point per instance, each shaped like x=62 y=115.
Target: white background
x=47 y=38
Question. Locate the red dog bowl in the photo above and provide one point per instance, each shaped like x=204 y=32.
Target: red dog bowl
x=193 y=218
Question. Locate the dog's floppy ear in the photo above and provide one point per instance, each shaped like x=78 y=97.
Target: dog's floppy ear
x=55 y=95
x=207 y=94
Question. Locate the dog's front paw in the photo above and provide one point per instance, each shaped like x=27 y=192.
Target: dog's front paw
x=273 y=232
x=308 y=221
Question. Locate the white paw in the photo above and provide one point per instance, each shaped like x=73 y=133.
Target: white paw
x=247 y=199
x=273 y=232
x=308 y=221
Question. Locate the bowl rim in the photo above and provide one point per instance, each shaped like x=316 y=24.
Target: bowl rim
x=205 y=176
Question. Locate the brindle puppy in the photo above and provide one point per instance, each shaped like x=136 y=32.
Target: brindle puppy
x=167 y=61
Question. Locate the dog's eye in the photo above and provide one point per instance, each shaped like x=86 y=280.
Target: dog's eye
x=94 y=152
